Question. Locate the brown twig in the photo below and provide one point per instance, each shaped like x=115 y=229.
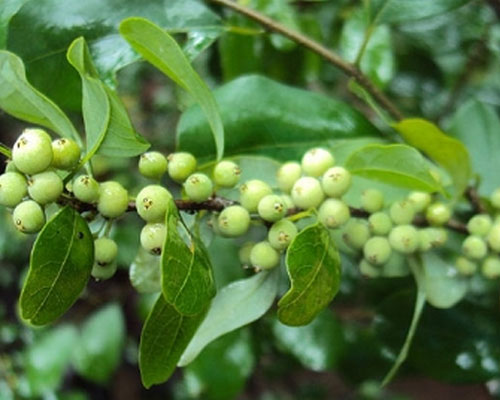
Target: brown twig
x=475 y=200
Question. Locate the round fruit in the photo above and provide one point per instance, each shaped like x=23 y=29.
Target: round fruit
x=103 y=272
x=86 y=189
x=198 y=187
x=377 y=250
x=13 y=189
x=438 y=214
x=372 y=200
x=479 y=225
x=233 y=221
x=419 y=200
x=28 y=216
x=66 y=154
x=281 y=234
x=307 y=193
x=465 y=267
x=11 y=167
x=153 y=237
x=474 y=247
x=402 y=212
x=272 y=208
x=45 y=187
x=181 y=165
x=495 y=198
x=334 y=213
x=113 y=199
x=430 y=238
x=244 y=253
x=32 y=152
x=493 y=238
x=105 y=251
x=287 y=201
x=356 y=233
x=153 y=165
x=264 y=256
x=491 y=267
x=368 y=270
x=252 y=192
x=287 y=175
x=404 y=238
x=380 y=223
x=151 y=203
x=336 y=181
x=316 y=161
x=226 y=174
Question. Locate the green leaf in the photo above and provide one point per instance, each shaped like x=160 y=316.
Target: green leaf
x=98 y=352
x=21 y=100
x=161 y=50
x=145 y=273
x=164 y=337
x=394 y=164
x=236 y=305
x=60 y=265
x=264 y=117
x=313 y=265
x=7 y=11
x=446 y=151
x=187 y=280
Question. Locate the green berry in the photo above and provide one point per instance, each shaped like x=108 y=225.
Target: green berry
x=198 y=187
x=13 y=189
x=252 y=192
x=438 y=214
x=45 y=187
x=152 y=202
x=404 y=239
x=113 y=199
x=32 y=152
x=491 y=267
x=287 y=201
x=103 y=272
x=226 y=174
x=465 y=266
x=336 y=181
x=372 y=200
x=66 y=154
x=333 y=213
x=153 y=237
x=11 y=167
x=272 y=208
x=474 y=247
x=316 y=161
x=377 y=250
x=495 y=198
x=181 y=165
x=356 y=233
x=105 y=251
x=430 y=238
x=493 y=238
x=380 y=223
x=233 y=221
x=479 y=225
x=86 y=189
x=368 y=270
x=402 y=212
x=28 y=216
x=419 y=200
x=264 y=256
x=153 y=165
x=287 y=175
x=244 y=253
x=281 y=234
x=307 y=193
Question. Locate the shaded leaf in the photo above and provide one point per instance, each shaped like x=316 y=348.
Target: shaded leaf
x=145 y=273
x=7 y=11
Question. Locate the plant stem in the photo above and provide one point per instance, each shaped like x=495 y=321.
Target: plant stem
x=333 y=58
x=5 y=151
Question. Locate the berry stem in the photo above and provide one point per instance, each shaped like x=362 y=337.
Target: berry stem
x=475 y=200
x=5 y=151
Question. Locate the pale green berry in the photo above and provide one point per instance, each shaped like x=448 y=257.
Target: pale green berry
x=316 y=161
x=479 y=225
x=45 y=187
x=28 y=216
x=438 y=214
x=32 y=152
x=153 y=165
x=474 y=247
x=356 y=233
x=153 y=237
x=493 y=238
x=272 y=208
x=264 y=256
x=372 y=200
x=181 y=165
x=233 y=221
x=495 y=198
x=465 y=266
x=105 y=251
x=198 y=187
x=13 y=188
x=152 y=202
x=368 y=270
x=336 y=181
x=11 y=167
x=103 y=272
x=252 y=192
x=404 y=239
x=113 y=199
x=244 y=253
x=307 y=193
x=226 y=174
x=419 y=200
x=380 y=223
x=491 y=267
x=287 y=201
x=402 y=212
x=66 y=154
x=281 y=234
x=86 y=189
x=333 y=213
x=287 y=175
x=377 y=250
x=430 y=238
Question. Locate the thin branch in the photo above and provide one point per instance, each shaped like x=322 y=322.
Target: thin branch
x=475 y=200
x=333 y=58
x=5 y=151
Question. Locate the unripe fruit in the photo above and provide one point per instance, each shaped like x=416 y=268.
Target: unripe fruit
x=380 y=223
x=233 y=221
x=11 y=167
x=13 y=189
x=316 y=161
x=333 y=213
x=86 y=189
x=244 y=253
x=479 y=225
x=113 y=199
x=153 y=237
x=493 y=238
x=402 y=212
x=372 y=200
x=66 y=154
x=336 y=181
x=32 y=152
x=495 y=198
x=430 y=238
x=226 y=174
x=105 y=251
x=404 y=238
x=28 y=216
x=281 y=234
x=419 y=200
x=181 y=165
x=103 y=272
x=474 y=247
x=45 y=187
x=377 y=250
x=464 y=266
x=287 y=175
x=368 y=270
x=307 y=193
x=438 y=214
x=198 y=187
x=272 y=208
x=151 y=203
x=356 y=233
x=264 y=256
x=491 y=267
x=153 y=165
x=252 y=192
x=287 y=201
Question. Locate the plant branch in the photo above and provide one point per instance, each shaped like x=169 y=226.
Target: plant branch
x=5 y=151
x=333 y=58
